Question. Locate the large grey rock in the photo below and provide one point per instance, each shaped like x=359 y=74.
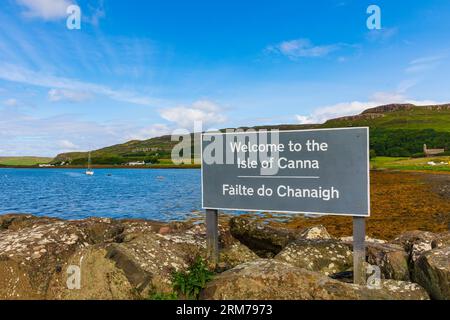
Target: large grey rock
x=235 y=254
x=34 y=250
x=390 y=258
x=415 y=243
x=268 y=279
x=261 y=238
x=325 y=256
x=314 y=233
x=432 y=271
x=441 y=240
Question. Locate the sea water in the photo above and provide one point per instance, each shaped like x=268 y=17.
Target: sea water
x=156 y=194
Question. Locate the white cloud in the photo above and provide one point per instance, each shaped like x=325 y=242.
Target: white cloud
x=322 y=114
x=67 y=145
x=23 y=134
x=57 y=95
x=18 y=74
x=205 y=111
x=154 y=130
x=45 y=9
x=424 y=64
x=11 y=102
x=300 y=48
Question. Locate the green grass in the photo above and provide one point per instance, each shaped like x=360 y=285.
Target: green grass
x=23 y=161
x=187 y=284
x=418 y=164
x=416 y=119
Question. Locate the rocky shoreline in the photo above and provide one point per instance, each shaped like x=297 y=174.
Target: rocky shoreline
x=131 y=259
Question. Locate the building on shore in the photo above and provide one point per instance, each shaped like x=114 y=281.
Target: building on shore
x=431 y=152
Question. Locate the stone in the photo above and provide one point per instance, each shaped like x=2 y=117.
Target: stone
x=236 y=254
x=390 y=258
x=266 y=241
x=441 y=240
x=415 y=243
x=100 y=278
x=317 y=232
x=404 y=290
x=325 y=256
x=432 y=271
x=164 y=230
x=270 y=279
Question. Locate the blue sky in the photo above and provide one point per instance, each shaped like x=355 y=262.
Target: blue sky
x=139 y=69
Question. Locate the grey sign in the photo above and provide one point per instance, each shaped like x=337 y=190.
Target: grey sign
x=324 y=171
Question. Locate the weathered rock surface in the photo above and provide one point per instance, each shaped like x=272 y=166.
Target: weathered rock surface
x=117 y=259
x=32 y=250
x=415 y=243
x=236 y=254
x=314 y=233
x=432 y=271
x=349 y=240
x=391 y=259
x=100 y=278
x=405 y=290
x=149 y=259
x=263 y=239
x=325 y=256
x=265 y=279
x=129 y=259
x=441 y=240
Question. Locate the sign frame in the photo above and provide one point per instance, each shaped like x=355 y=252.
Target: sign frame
x=285 y=211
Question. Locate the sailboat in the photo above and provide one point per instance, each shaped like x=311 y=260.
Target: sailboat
x=89 y=170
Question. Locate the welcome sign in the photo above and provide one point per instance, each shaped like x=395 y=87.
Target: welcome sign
x=323 y=171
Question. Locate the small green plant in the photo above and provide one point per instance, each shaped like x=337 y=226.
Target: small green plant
x=191 y=282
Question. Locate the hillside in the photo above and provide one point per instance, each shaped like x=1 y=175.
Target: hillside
x=23 y=161
x=396 y=130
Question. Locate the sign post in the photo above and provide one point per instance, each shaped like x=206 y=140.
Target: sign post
x=321 y=171
x=359 y=250
x=212 y=235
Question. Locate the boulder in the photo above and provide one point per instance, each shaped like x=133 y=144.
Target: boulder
x=415 y=243
x=270 y=279
x=404 y=290
x=325 y=256
x=441 y=240
x=313 y=233
x=100 y=278
x=33 y=250
x=266 y=241
x=432 y=271
x=235 y=254
x=349 y=240
x=148 y=259
x=390 y=258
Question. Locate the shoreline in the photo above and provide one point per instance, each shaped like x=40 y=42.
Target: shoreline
x=136 y=259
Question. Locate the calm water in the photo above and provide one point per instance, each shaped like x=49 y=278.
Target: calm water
x=166 y=194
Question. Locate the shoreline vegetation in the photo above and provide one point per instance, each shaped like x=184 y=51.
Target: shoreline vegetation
x=438 y=164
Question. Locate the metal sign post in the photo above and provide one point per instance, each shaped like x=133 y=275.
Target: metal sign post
x=212 y=235
x=359 y=250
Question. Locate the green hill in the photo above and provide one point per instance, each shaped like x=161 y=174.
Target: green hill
x=396 y=130
x=23 y=161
